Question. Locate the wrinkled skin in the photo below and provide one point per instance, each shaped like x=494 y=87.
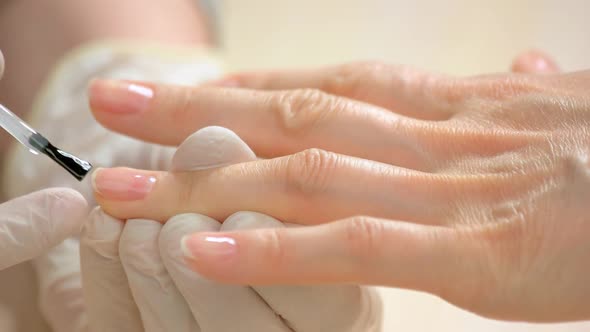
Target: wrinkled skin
x=473 y=189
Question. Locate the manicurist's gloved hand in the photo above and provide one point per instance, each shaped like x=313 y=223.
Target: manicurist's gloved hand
x=136 y=277
x=32 y=224
x=61 y=113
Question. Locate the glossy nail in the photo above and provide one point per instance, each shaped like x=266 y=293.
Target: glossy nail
x=544 y=65
x=208 y=246
x=125 y=184
x=119 y=96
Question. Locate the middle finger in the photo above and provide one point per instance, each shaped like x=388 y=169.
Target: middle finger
x=311 y=185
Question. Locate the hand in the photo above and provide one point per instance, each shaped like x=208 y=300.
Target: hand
x=32 y=224
x=473 y=189
x=163 y=294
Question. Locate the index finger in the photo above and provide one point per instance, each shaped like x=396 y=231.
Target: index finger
x=272 y=123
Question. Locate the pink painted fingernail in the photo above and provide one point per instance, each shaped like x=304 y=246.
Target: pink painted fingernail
x=124 y=184
x=208 y=246
x=119 y=96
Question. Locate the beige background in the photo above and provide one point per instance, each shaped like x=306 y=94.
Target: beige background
x=453 y=36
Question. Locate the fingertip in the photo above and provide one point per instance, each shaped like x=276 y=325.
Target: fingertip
x=534 y=62
x=175 y=232
x=95 y=93
x=212 y=255
x=95 y=90
x=119 y=97
x=123 y=183
x=67 y=206
x=211 y=147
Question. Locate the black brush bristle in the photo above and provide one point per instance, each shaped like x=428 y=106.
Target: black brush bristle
x=74 y=165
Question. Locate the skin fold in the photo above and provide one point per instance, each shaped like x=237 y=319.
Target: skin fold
x=473 y=189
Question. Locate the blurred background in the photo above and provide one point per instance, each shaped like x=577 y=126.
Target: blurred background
x=454 y=36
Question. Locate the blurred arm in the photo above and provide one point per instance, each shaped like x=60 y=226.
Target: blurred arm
x=35 y=34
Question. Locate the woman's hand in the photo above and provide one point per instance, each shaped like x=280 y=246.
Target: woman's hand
x=473 y=189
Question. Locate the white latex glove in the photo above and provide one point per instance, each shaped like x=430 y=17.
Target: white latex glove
x=165 y=295
x=30 y=225
x=61 y=113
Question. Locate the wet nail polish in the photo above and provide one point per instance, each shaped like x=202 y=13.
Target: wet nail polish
x=208 y=246
x=122 y=183
x=120 y=96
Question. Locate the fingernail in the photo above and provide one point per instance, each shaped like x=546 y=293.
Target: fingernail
x=544 y=65
x=119 y=96
x=208 y=246
x=125 y=184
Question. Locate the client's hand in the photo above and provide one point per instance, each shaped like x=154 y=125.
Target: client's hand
x=473 y=189
x=163 y=294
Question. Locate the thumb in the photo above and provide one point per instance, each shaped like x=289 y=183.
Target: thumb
x=211 y=147
x=32 y=224
x=358 y=250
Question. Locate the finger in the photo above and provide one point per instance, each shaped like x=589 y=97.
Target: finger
x=211 y=147
x=534 y=62
x=161 y=306
x=34 y=223
x=292 y=120
x=314 y=185
x=313 y=308
x=358 y=250
x=401 y=89
x=61 y=298
x=210 y=302
x=109 y=302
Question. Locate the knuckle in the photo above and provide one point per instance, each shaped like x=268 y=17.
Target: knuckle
x=309 y=171
x=363 y=236
x=446 y=91
x=180 y=104
x=299 y=111
x=275 y=246
x=502 y=88
x=350 y=79
x=187 y=193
